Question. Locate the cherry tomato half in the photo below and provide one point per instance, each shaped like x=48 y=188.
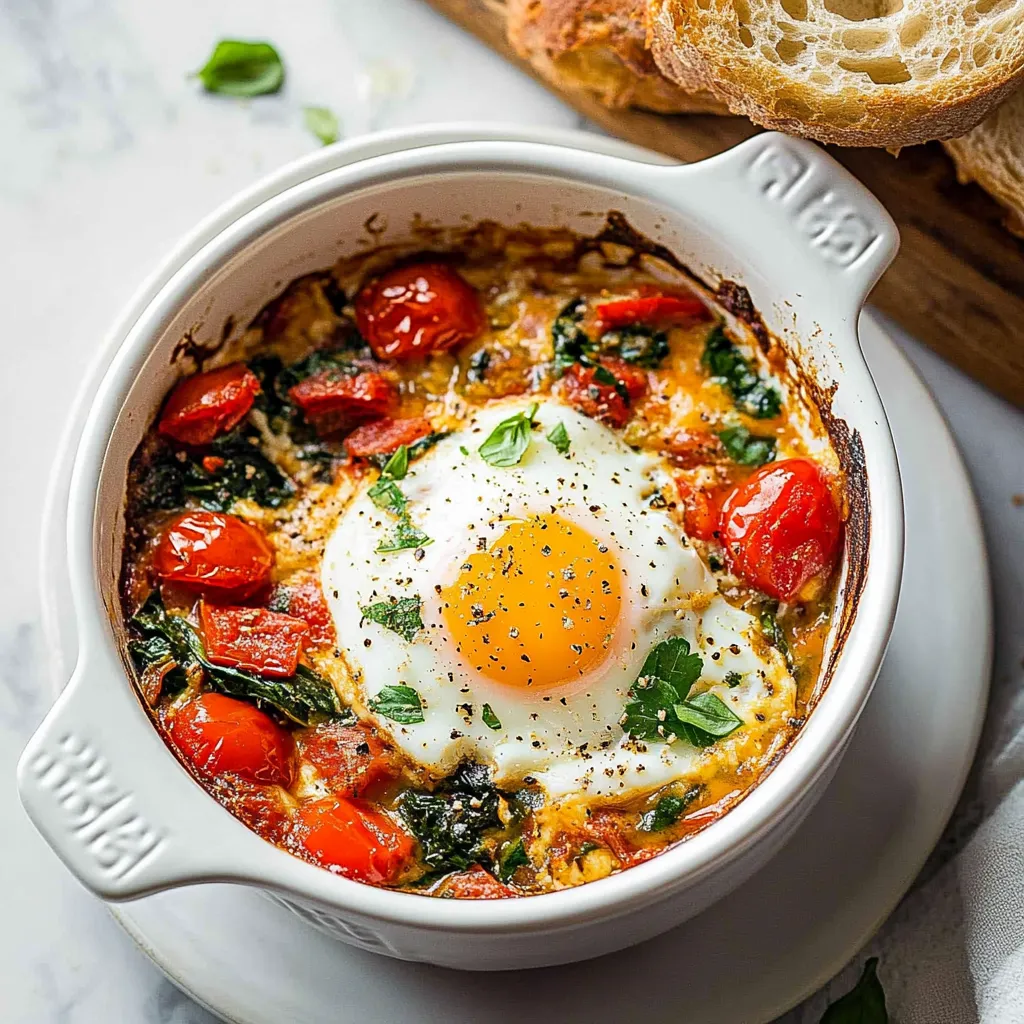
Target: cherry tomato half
x=333 y=402
x=351 y=759
x=781 y=527
x=214 y=553
x=253 y=639
x=383 y=437
x=702 y=509
x=584 y=390
x=475 y=884
x=207 y=404
x=354 y=839
x=304 y=599
x=418 y=309
x=221 y=735
x=649 y=309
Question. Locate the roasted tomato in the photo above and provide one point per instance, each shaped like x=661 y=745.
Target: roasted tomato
x=214 y=553
x=632 y=379
x=702 y=509
x=333 y=402
x=691 y=448
x=221 y=735
x=349 y=758
x=584 y=389
x=252 y=638
x=354 y=839
x=418 y=309
x=650 y=309
x=609 y=828
x=781 y=527
x=475 y=884
x=385 y=436
x=304 y=599
x=207 y=404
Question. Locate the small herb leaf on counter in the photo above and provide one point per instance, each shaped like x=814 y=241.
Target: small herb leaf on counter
x=559 y=437
x=667 y=811
x=752 y=393
x=400 y=615
x=491 y=720
x=239 y=68
x=323 y=123
x=745 y=448
x=863 y=1004
x=508 y=441
x=401 y=704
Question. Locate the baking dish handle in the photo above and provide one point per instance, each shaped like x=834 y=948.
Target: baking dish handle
x=819 y=224
x=100 y=785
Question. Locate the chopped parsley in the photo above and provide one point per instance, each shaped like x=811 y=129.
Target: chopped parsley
x=401 y=615
x=401 y=704
x=752 y=393
x=863 y=1004
x=745 y=448
x=387 y=495
x=559 y=437
x=659 y=706
x=667 y=811
x=239 y=68
x=508 y=441
x=491 y=720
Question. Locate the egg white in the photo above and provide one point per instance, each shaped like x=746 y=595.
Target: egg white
x=569 y=742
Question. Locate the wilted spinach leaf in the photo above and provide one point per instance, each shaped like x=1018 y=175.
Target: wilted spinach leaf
x=752 y=393
x=638 y=344
x=667 y=811
x=745 y=448
x=571 y=343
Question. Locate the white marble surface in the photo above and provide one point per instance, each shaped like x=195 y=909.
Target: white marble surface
x=107 y=154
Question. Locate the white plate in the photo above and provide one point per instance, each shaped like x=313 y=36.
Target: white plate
x=753 y=955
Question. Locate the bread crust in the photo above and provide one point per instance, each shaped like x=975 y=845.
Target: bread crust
x=886 y=115
x=992 y=154
x=600 y=46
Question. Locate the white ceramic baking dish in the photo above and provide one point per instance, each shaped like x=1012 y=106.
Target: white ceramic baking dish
x=774 y=214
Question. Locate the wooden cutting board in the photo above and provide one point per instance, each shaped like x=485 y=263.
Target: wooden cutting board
x=958 y=282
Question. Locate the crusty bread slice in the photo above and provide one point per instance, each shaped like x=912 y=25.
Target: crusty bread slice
x=993 y=155
x=854 y=72
x=600 y=46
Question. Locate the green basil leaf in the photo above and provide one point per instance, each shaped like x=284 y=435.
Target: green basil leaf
x=323 y=123
x=387 y=495
x=559 y=437
x=512 y=857
x=400 y=615
x=709 y=718
x=672 y=661
x=398 y=465
x=238 y=68
x=401 y=704
x=508 y=441
x=405 y=537
x=667 y=811
x=745 y=448
x=863 y=1004
x=646 y=714
x=752 y=393
x=491 y=720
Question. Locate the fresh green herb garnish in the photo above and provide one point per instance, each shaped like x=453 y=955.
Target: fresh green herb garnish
x=667 y=811
x=238 y=68
x=752 y=393
x=637 y=344
x=491 y=720
x=401 y=704
x=733 y=678
x=398 y=464
x=863 y=1004
x=745 y=448
x=323 y=123
x=508 y=441
x=708 y=718
x=571 y=343
x=450 y=822
x=773 y=631
x=559 y=437
x=400 y=615
x=512 y=857
x=464 y=450
x=304 y=698
x=407 y=536
x=387 y=495
x=416 y=449
x=659 y=706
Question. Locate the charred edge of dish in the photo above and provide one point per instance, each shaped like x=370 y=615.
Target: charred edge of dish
x=188 y=348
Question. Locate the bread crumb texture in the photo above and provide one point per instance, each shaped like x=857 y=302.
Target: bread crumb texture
x=854 y=72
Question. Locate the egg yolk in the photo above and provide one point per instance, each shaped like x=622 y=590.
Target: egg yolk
x=538 y=608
